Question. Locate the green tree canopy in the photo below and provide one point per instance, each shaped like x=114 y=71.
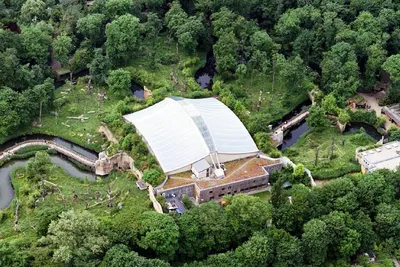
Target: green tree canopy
x=119 y=82
x=76 y=237
x=92 y=26
x=340 y=70
x=62 y=48
x=122 y=37
x=158 y=233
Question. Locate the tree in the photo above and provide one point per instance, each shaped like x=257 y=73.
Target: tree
x=76 y=237
x=11 y=256
x=38 y=166
x=44 y=94
x=81 y=59
x=152 y=176
x=225 y=51
x=344 y=241
x=122 y=37
x=287 y=248
x=175 y=17
x=387 y=222
x=46 y=216
x=204 y=230
x=329 y=104
x=119 y=82
x=291 y=71
x=122 y=256
x=190 y=32
x=36 y=44
x=344 y=116
x=392 y=65
x=62 y=47
x=258 y=251
x=99 y=67
x=247 y=214
x=92 y=27
x=373 y=190
x=263 y=142
x=158 y=233
x=10 y=118
x=376 y=57
x=315 y=242
x=33 y=10
x=298 y=171
x=340 y=71
x=317 y=118
x=115 y=8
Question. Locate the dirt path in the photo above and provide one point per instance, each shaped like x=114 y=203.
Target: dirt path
x=110 y=137
x=373 y=101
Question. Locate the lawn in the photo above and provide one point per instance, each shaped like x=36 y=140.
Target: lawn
x=265 y=196
x=134 y=202
x=340 y=163
x=77 y=102
x=275 y=103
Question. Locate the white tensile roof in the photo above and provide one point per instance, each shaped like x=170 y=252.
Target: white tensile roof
x=182 y=131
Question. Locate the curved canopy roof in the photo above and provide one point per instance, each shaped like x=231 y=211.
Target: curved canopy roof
x=182 y=131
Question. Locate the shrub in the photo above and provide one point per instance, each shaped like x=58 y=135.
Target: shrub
x=152 y=176
x=187 y=202
x=27 y=149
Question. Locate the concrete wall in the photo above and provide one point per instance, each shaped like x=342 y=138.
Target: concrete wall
x=188 y=190
x=243 y=186
x=156 y=205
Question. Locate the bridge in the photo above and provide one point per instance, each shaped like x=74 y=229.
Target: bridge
x=51 y=144
x=277 y=132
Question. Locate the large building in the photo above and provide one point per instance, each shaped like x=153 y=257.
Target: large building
x=185 y=133
x=201 y=143
x=386 y=156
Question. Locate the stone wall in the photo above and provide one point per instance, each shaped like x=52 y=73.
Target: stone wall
x=104 y=165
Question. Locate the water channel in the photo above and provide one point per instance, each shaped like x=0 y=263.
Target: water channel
x=72 y=146
x=205 y=74
x=6 y=189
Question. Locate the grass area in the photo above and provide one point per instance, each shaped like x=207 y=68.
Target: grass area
x=134 y=202
x=275 y=103
x=343 y=159
x=265 y=196
x=75 y=102
x=154 y=70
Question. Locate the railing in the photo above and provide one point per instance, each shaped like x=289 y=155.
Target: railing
x=293 y=121
x=60 y=148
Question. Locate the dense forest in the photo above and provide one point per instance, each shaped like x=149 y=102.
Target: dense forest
x=268 y=55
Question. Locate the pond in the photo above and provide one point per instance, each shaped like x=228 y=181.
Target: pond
x=6 y=189
x=294 y=134
x=72 y=146
x=205 y=74
x=369 y=129
x=137 y=90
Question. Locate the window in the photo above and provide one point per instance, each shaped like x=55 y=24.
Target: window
x=223 y=188
x=210 y=192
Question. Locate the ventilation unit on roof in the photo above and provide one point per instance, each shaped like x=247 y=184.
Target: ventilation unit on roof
x=388 y=147
x=395 y=144
x=378 y=150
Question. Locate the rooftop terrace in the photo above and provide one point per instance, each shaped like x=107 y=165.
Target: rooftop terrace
x=235 y=171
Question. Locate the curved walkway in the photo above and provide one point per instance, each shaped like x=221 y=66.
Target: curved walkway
x=59 y=148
